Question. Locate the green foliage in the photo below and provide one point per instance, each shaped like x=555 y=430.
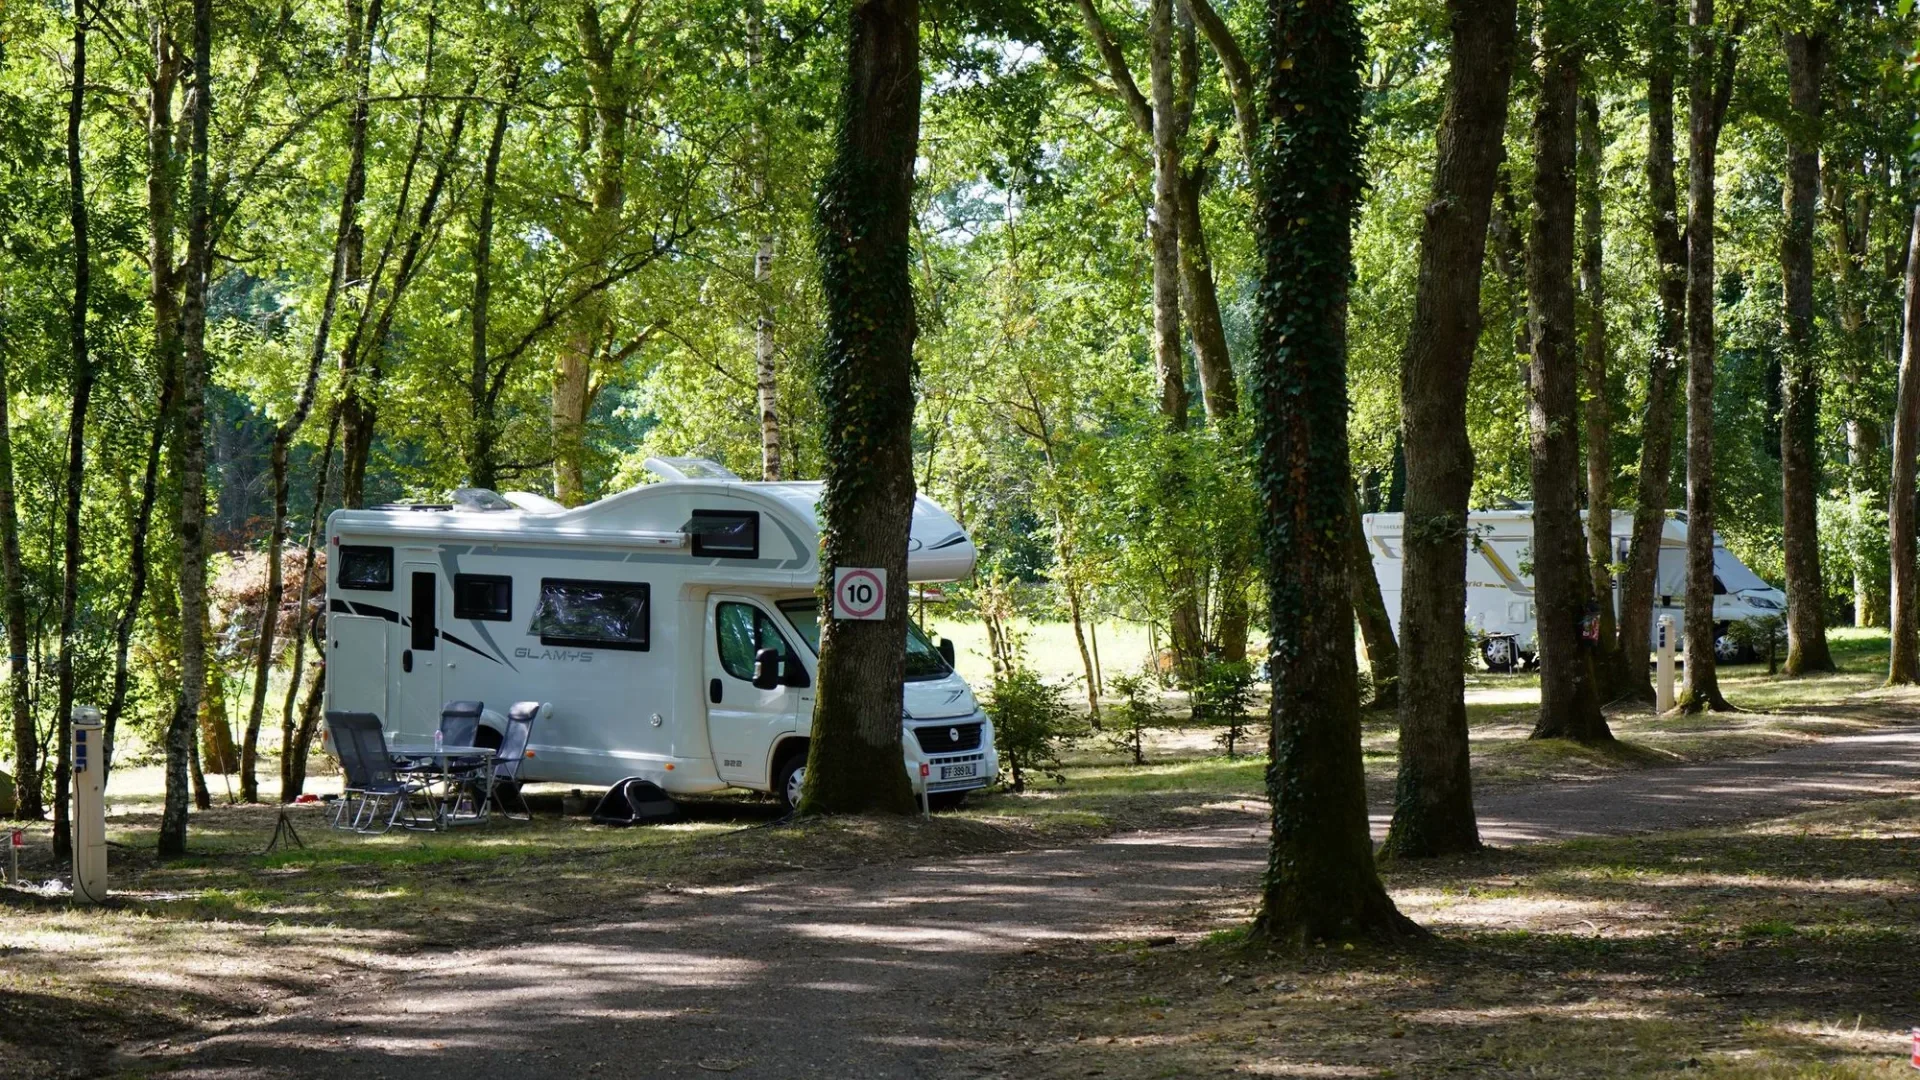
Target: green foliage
x=1223 y=697
x=1032 y=723
x=1139 y=710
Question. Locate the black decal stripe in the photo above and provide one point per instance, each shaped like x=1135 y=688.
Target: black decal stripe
x=468 y=647
x=956 y=538
x=352 y=607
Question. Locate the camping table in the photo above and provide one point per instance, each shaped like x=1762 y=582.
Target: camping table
x=443 y=756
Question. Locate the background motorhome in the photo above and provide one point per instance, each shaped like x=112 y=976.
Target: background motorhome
x=648 y=620
x=1500 y=575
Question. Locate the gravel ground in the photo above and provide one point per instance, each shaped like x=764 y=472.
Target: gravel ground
x=873 y=973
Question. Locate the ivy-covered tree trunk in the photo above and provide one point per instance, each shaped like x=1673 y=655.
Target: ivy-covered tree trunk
x=1703 y=144
x=191 y=460
x=1433 y=795
x=80 y=379
x=1320 y=881
x=1569 y=705
x=1663 y=366
x=854 y=761
x=1800 y=373
x=1595 y=359
x=1903 y=667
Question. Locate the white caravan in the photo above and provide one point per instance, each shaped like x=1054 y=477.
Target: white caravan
x=1500 y=576
x=672 y=626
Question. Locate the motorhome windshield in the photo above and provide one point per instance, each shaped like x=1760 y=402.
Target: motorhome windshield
x=1734 y=574
x=923 y=660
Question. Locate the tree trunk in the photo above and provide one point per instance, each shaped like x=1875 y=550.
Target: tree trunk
x=1569 y=706
x=1703 y=142
x=866 y=390
x=1370 y=610
x=191 y=466
x=1596 y=355
x=483 y=385
x=1200 y=300
x=1086 y=658
x=1433 y=795
x=573 y=377
x=1168 y=363
x=137 y=566
x=357 y=378
x=344 y=240
x=1800 y=376
x=28 y=766
x=309 y=723
x=766 y=385
x=1663 y=368
x=1320 y=881
x=80 y=387
x=293 y=761
x=1903 y=666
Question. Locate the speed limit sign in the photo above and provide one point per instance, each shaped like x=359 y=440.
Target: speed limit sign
x=859 y=592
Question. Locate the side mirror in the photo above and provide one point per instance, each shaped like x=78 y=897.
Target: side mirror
x=766 y=669
x=946 y=650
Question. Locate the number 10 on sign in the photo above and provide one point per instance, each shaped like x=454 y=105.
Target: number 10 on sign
x=859 y=592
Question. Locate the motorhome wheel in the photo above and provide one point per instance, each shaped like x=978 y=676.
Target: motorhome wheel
x=788 y=780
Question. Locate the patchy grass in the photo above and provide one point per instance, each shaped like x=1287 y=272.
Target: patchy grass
x=1777 y=950
x=228 y=930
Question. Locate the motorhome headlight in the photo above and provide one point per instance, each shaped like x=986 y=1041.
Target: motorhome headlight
x=1765 y=603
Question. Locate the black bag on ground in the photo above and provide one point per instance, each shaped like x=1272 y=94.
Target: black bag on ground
x=635 y=801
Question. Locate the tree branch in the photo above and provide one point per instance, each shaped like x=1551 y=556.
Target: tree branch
x=1117 y=68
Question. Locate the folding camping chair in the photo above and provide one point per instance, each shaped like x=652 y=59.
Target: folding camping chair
x=371 y=777
x=513 y=749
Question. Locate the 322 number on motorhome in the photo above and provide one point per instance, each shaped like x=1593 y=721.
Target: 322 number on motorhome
x=859 y=592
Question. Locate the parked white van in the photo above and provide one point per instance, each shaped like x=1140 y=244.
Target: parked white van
x=1500 y=576
x=673 y=627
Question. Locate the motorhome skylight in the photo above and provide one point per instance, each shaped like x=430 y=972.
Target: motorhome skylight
x=725 y=534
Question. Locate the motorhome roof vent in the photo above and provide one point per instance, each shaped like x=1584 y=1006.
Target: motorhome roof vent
x=469 y=498
x=688 y=468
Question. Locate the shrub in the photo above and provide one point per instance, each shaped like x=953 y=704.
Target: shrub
x=1139 y=709
x=1032 y=723
x=1223 y=694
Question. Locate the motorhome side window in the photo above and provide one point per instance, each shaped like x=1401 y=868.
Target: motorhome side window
x=592 y=614
x=483 y=596
x=743 y=631
x=368 y=568
x=726 y=534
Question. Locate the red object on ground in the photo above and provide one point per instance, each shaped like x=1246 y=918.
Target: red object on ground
x=307 y=797
x=1914 y=1060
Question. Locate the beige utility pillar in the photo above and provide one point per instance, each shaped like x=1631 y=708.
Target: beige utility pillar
x=1663 y=667
x=89 y=807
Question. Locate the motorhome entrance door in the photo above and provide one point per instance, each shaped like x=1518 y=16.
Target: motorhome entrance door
x=418 y=679
x=743 y=720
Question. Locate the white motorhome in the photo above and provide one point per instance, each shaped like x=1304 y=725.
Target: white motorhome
x=672 y=626
x=1500 y=577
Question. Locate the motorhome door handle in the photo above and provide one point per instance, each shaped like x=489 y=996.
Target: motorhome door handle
x=406 y=660
x=713 y=691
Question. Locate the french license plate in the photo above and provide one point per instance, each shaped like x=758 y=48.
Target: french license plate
x=959 y=772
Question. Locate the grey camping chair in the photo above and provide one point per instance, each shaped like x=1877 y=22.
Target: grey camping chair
x=346 y=745
x=378 y=783
x=513 y=750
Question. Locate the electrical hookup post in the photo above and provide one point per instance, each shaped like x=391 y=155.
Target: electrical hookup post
x=89 y=808
x=1663 y=667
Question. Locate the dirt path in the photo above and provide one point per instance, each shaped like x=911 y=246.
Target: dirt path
x=874 y=973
